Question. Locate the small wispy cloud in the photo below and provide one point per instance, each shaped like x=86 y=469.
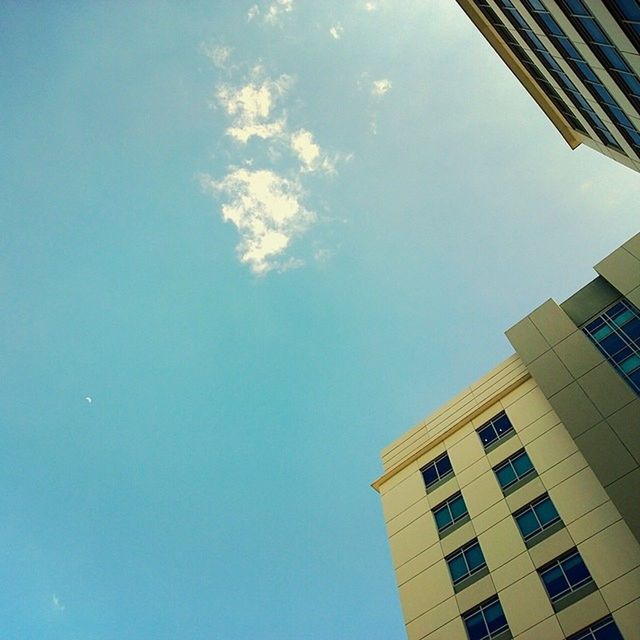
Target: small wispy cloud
x=370 y=6
x=217 y=53
x=250 y=107
x=271 y=13
x=380 y=87
x=57 y=605
x=267 y=210
x=336 y=31
x=311 y=157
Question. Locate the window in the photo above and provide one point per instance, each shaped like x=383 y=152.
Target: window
x=565 y=575
x=437 y=470
x=536 y=517
x=616 y=332
x=580 y=66
x=449 y=512
x=531 y=67
x=494 y=430
x=485 y=621
x=628 y=12
x=514 y=469
x=605 y=629
x=466 y=561
x=548 y=61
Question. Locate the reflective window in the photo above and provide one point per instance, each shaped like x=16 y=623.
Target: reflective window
x=495 y=429
x=449 y=512
x=605 y=629
x=565 y=575
x=536 y=516
x=590 y=29
x=542 y=53
x=485 y=621
x=568 y=51
x=465 y=561
x=628 y=13
x=513 y=469
x=437 y=470
x=616 y=332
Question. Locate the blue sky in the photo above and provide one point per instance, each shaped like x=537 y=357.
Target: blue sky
x=243 y=247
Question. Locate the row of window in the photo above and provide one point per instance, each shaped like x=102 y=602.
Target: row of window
x=487 y=620
x=585 y=23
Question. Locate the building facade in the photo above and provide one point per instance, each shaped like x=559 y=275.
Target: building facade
x=580 y=61
x=514 y=510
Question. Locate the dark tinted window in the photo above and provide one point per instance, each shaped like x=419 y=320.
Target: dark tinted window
x=485 y=621
x=450 y=511
x=495 y=429
x=536 y=516
x=437 y=470
x=513 y=469
x=565 y=575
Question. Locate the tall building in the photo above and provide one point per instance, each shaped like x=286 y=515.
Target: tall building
x=579 y=60
x=514 y=510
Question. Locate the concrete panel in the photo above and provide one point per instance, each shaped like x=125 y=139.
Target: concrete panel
x=527 y=340
x=608 y=457
x=418 y=510
x=453 y=630
x=578 y=354
x=513 y=571
x=552 y=447
x=501 y=543
x=433 y=619
x=624 y=494
x=414 y=538
x=590 y=300
x=623 y=590
x=632 y=245
x=427 y=590
x=551 y=548
x=457 y=538
x=548 y=629
x=402 y=496
x=627 y=620
x=626 y=424
x=610 y=553
x=479 y=591
x=491 y=516
x=525 y=494
x=634 y=297
x=606 y=389
x=506 y=449
x=482 y=494
x=582 y=613
x=472 y=473
x=424 y=560
x=621 y=269
x=443 y=491
x=563 y=470
x=550 y=374
x=577 y=495
x=527 y=409
x=548 y=421
x=464 y=453
x=552 y=322
x=594 y=521
x=530 y=590
x=575 y=409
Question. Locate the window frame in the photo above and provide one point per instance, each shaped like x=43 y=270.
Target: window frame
x=574 y=591
x=532 y=538
x=588 y=633
x=441 y=478
x=446 y=504
x=476 y=573
x=519 y=479
x=480 y=609
x=499 y=437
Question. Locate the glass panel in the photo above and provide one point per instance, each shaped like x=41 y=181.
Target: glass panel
x=458 y=568
x=430 y=475
x=575 y=569
x=623 y=317
x=630 y=364
x=458 y=508
x=595 y=31
x=487 y=435
x=527 y=523
x=614 y=58
x=609 y=631
x=612 y=343
x=602 y=333
x=506 y=476
x=476 y=627
x=522 y=465
x=444 y=466
x=495 y=617
x=555 y=582
x=475 y=558
x=632 y=329
x=502 y=424
x=629 y=8
x=545 y=511
x=443 y=517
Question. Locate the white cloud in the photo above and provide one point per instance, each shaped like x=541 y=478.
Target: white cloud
x=57 y=605
x=273 y=13
x=309 y=153
x=380 y=87
x=266 y=209
x=250 y=107
x=88 y=399
x=370 y=6
x=217 y=53
x=336 y=31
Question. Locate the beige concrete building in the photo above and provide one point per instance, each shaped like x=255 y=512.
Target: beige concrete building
x=579 y=60
x=513 y=511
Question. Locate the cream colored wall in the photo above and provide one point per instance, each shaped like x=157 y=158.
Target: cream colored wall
x=431 y=608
